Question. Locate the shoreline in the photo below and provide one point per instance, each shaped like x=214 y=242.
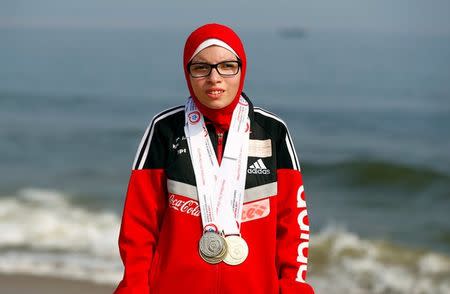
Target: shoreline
x=26 y=283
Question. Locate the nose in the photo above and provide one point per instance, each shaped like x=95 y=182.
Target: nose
x=214 y=75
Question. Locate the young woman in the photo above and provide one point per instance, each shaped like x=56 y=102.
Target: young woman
x=215 y=202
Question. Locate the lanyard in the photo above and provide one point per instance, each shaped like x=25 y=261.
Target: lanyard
x=220 y=188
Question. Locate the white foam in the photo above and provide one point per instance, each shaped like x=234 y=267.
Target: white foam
x=43 y=219
x=43 y=233
x=432 y=263
x=349 y=264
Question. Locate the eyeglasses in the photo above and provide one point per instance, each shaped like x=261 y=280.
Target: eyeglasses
x=224 y=68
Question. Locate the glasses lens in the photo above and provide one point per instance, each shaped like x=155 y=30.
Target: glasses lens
x=199 y=69
x=228 y=68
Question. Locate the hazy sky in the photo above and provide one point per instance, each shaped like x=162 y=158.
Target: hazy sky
x=432 y=16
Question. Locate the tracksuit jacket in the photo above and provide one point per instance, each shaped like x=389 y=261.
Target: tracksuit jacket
x=161 y=223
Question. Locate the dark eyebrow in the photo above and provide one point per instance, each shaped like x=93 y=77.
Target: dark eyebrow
x=198 y=61
x=204 y=61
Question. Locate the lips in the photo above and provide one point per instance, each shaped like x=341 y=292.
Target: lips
x=215 y=92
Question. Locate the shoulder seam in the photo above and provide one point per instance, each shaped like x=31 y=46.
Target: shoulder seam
x=165 y=111
x=144 y=146
x=268 y=114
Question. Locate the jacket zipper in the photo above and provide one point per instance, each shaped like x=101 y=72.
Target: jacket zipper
x=219 y=146
x=219 y=159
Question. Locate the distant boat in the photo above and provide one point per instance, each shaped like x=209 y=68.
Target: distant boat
x=292 y=33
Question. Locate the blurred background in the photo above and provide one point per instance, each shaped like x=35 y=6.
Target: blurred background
x=363 y=85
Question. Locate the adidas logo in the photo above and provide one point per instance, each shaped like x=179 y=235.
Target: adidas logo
x=258 y=168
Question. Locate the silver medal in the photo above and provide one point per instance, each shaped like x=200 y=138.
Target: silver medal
x=213 y=260
x=212 y=247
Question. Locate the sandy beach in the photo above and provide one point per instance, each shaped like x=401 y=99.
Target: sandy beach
x=25 y=284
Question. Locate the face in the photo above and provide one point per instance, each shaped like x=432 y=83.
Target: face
x=215 y=91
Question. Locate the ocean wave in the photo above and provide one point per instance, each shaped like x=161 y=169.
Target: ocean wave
x=342 y=262
x=43 y=233
x=364 y=172
x=46 y=220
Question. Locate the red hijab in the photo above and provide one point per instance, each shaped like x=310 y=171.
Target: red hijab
x=220 y=117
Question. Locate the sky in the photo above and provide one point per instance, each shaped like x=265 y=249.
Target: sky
x=432 y=16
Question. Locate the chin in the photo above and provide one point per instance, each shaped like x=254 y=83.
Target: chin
x=216 y=104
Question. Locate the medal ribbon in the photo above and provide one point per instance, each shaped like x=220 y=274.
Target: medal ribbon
x=220 y=188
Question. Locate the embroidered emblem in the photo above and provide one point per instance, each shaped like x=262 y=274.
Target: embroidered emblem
x=194 y=117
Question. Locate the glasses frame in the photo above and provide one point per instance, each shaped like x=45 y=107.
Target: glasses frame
x=212 y=66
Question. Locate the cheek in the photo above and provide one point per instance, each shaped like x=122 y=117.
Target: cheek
x=234 y=85
x=196 y=85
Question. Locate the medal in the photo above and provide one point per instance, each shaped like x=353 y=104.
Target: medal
x=212 y=247
x=214 y=260
x=237 y=250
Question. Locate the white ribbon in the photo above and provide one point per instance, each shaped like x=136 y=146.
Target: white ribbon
x=220 y=188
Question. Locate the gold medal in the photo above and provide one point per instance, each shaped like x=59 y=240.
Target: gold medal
x=237 y=250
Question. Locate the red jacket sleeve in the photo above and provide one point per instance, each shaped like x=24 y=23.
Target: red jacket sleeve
x=142 y=216
x=292 y=222
x=144 y=208
x=292 y=233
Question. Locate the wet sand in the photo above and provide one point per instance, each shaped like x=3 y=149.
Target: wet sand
x=26 y=284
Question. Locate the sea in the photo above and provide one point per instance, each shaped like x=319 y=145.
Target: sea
x=369 y=113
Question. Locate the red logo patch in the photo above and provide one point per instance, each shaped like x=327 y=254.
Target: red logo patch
x=255 y=210
x=194 y=117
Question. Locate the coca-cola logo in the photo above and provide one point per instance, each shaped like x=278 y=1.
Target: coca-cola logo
x=188 y=206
